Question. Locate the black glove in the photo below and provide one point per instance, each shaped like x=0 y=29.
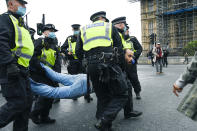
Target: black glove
x=12 y=71
x=41 y=70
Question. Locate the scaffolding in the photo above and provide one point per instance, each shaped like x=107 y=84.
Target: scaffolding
x=133 y=1
x=175 y=22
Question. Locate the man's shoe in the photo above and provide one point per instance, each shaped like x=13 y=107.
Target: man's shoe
x=138 y=97
x=88 y=98
x=56 y=101
x=74 y=99
x=98 y=124
x=133 y=114
x=102 y=126
x=47 y=120
x=35 y=119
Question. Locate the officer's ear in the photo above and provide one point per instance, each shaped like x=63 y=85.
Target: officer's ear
x=9 y=3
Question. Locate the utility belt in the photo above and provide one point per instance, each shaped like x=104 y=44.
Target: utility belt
x=24 y=71
x=23 y=68
x=104 y=57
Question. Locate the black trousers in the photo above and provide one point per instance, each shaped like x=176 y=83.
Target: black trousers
x=165 y=61
x=133 y=77
x=129 y=105
x=42 y=105
x=74 y=67
x=19 y=101
x=111 y=96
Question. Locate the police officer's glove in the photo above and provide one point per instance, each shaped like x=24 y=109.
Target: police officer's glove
x=12 y=71
x=41 y=70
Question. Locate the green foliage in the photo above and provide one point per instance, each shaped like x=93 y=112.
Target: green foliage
x=190 y=48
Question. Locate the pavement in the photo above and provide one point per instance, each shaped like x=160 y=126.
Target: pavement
x=158 y=105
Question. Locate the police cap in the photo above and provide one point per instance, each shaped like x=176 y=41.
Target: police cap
x=76 y=26
x=49 y=27
x=127 y=26
x=21 y=1
x=98 y=14
x=119 y=20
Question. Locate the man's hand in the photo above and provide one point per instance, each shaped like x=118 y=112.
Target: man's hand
x=176 y=89
x=69 y=53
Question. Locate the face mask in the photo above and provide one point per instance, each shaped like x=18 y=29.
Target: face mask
x=125 y=29
x=21 y=11
x=52 y=35
x=76 y=32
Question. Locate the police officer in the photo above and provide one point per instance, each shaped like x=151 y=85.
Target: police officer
x=137 y=48
x=16 y=49
x=120 y=24
x=46 y=52
x=108 y=80
x=68 y=50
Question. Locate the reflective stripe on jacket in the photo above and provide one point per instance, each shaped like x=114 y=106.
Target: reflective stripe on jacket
x=24 y=48
x=97 y=34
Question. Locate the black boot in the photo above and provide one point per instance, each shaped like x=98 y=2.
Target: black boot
x=138 y=97
x=35 y=119
x=56 y=101
x=132 y=114
x=74 y=99
x=88 y=98
x=47 y=120
x=103 y=125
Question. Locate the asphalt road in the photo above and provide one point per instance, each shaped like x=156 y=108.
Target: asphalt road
x=158 y=105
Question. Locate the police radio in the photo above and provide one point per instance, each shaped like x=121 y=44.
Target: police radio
x=41 y=25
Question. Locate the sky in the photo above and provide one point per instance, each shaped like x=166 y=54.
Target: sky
x=64 y=13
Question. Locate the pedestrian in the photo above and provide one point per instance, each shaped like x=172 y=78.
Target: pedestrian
x=189 y=76
x=165 y=57
x=46 y=52
x=152 y=57
x=16 y=49
x=186 y=58
x=158 y=54
x=104 y=67
x=68 y=50
x=120 y=24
